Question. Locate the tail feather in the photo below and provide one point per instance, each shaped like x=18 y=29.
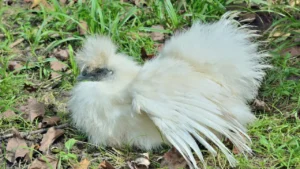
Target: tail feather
x=224 y=52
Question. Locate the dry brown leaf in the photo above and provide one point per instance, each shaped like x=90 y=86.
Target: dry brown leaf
x=105 y=165
x=294 y=51
x=33 y=109
x=157 y=36
x=7 y=114
x=261 y=105
x=14 y=65
x=84 y=164
x=55 y=75
x=57 y=66
x=173 y=159
x=50 y=121
x=83 y=27
x=61 y=54
x=140 y=163
x=35 y=3
x=44 y=162
x=16 y=148
x=48 y=138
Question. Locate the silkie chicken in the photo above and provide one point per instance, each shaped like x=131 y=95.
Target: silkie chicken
x=194 y=91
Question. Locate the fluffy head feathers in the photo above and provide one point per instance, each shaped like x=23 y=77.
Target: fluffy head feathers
x=99 y=59
x=95 y=52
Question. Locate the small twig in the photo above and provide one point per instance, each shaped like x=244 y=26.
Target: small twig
x=2 y=35
x=16 y=42
x=23 y=134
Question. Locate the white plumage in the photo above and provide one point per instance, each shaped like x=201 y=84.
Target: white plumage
x=197 y=88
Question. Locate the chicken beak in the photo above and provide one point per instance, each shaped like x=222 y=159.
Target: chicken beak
x=81 y=78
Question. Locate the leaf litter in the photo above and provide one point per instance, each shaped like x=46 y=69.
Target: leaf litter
x=48 y=138
x=16 y=148
x=7 y=114
x=105 y=165
x=33 y=109
x=141 y=162
x=44 y=162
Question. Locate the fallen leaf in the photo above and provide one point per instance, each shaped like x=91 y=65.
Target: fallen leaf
x=33 y=109
x=35 y=3
x=84 y=164
x=261 y=105
x=48 y=138
x=173 y=159
x=61 y=54
x=7 y=114
x=144 y=55
x=44 y=162
x=157 y=36
x=83 y=27
x=57 y=66
x=14 y=65
x=140 y=163
x=55 y=75
x=105 y=165
x=50 y=121
x=294 y=51
x=16 y=148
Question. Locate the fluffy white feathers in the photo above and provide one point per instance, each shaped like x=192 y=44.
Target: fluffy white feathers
x=196 y=89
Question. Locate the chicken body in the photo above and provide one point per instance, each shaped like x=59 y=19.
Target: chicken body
x=197 y=88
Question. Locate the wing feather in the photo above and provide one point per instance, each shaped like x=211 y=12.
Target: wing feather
x=187 y=106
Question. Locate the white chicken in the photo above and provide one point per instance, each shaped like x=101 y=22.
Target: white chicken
x=196 y=89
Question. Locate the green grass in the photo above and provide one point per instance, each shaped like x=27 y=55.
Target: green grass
x=275 y=134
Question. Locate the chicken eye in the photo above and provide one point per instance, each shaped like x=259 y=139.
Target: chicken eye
x=84 y=72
